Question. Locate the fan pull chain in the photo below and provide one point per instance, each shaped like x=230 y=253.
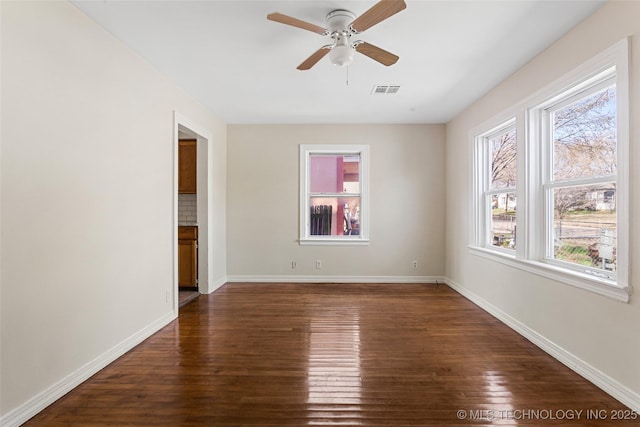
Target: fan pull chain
x=347 y=81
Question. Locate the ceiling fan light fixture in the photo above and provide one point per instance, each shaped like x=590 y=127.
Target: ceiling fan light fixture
x=341 y=56
x=341 y=26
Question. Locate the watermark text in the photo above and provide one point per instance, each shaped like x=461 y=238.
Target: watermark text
x=546 y=414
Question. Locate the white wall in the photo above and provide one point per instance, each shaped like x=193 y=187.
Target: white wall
x=407 y=202
x=87 y=181
x=601 y=332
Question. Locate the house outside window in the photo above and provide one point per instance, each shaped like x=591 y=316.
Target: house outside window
x=334 y=194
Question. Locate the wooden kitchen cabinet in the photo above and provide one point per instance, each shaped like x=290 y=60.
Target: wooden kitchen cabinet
x=188 y=257
x=187 y=171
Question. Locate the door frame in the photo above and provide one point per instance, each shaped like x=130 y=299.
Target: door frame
x=203 y=136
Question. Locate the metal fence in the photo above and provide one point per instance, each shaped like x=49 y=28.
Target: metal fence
x=585 y=250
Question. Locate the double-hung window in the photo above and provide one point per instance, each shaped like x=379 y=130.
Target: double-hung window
x=580 y=175
x=568 y=164
x=334 y=188
x=496 y=152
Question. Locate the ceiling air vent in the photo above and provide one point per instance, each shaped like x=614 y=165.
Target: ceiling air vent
x=385 y=89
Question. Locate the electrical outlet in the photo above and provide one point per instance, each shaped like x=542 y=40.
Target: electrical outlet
x=293 y=264
x=318 y=263
x=414 y=264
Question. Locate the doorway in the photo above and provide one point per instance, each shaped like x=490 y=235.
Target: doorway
x=199 y=218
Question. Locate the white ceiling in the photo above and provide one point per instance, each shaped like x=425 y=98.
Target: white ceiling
x=243 y=67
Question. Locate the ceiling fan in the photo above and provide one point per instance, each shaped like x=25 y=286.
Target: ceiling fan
x=342 y=25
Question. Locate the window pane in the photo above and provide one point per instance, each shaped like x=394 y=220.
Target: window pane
x=584 y=137
x=334 y=173
x=584 y=225
x=334 y=216
x=503 y=220
x=503 y=160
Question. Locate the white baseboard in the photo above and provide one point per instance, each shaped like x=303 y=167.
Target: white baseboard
x=611 y=386
x=337 y=279
x=214 y=286
x=45 y=398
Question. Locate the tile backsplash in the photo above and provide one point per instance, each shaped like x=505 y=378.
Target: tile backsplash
x=187 y=209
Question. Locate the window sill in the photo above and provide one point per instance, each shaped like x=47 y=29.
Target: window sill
x=333 y=241
x=593 y=284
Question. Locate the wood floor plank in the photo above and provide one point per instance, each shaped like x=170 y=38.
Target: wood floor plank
x=335 y=354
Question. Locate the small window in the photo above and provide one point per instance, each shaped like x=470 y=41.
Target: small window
x=333 y=182
x=496 y=156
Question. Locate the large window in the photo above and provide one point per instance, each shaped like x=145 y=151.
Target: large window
x=333 y=196
x=580 y=139
x=564 y=153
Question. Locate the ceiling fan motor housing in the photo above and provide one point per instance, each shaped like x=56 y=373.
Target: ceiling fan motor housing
x=339 y=20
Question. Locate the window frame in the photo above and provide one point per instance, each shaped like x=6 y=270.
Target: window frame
x=482 y=185
x=542 y=118
x=306 y=151
x=534 y=209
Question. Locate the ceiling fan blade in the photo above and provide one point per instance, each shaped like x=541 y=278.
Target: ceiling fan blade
x=377 y=54
x=378 y=13
x=314 y=58
x=295 y=22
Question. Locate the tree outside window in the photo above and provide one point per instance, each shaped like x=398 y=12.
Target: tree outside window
x=502 y=187
x=583 y=182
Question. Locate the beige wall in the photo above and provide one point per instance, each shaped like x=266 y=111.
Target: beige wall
x=407 y=202
x=87 y=180
x=597 y=330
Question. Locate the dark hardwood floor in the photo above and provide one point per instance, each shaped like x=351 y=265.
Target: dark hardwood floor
x=185 y=296
x=332 y=354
